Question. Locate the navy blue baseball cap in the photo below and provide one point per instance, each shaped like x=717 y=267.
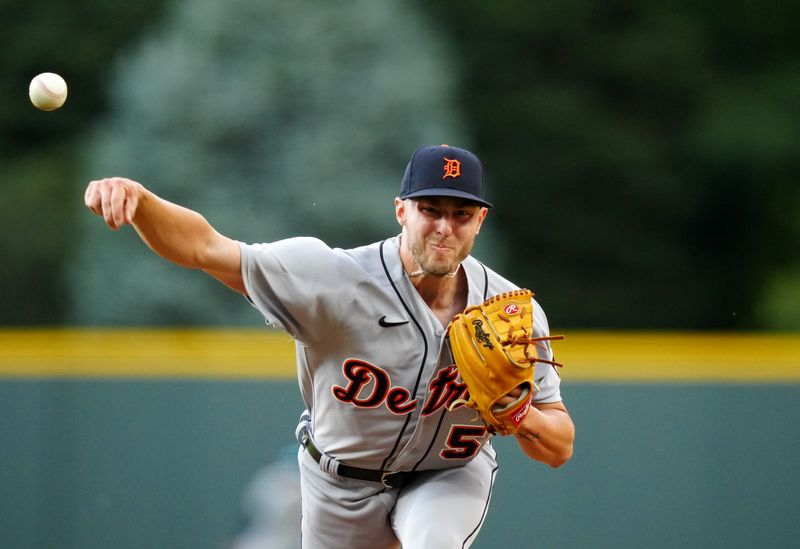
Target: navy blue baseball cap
x=444 y=171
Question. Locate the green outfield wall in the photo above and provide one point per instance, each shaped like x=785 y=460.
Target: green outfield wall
x=150 y=439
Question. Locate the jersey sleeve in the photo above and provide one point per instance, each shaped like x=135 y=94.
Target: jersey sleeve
x=294 y=284
x=545 y=375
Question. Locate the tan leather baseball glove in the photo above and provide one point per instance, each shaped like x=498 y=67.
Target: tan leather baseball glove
x=495 y=353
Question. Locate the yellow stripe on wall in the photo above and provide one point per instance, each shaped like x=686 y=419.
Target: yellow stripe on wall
x=212 y=353
x=269 y=354
x=684 y=357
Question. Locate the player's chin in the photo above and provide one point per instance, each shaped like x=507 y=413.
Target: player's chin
x=442 y=269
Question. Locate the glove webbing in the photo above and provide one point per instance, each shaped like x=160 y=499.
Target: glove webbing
x=525 y=340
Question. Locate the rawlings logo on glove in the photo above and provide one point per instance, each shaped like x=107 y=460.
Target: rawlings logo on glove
x=495 y=353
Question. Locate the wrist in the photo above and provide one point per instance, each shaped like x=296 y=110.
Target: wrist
x=528 y=426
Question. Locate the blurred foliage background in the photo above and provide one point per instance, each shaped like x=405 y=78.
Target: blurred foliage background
x=641 y=156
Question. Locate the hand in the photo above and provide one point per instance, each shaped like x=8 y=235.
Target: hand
x=509 y=397
x=114 y=198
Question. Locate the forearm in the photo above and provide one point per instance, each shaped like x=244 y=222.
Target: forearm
x=547 y=435
x=177 y=234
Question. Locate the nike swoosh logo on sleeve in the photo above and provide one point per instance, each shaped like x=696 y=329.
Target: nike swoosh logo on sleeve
x=388 y=324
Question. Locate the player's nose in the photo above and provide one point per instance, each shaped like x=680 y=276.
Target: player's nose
x=444 y=225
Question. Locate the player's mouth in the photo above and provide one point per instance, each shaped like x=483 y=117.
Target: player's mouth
x=440 y=248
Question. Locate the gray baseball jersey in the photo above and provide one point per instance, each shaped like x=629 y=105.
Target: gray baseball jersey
x=374 y=366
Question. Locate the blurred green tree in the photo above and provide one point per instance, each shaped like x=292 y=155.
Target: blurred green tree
x=649 y=150
x=641 y=155
x=37 y=149
x=271 y=118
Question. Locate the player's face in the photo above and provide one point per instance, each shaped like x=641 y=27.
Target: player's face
x=439 y=231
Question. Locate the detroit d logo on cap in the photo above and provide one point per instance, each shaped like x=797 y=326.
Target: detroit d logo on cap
x=452 y=168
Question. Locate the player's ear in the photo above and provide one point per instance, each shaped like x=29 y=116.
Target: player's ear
x=481 y=217
x=400 y=211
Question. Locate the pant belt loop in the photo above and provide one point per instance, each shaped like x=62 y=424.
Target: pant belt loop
x=327 y=464
x=330 y=465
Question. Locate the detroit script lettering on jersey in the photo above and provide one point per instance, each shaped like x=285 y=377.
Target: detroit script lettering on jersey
x=370 y=386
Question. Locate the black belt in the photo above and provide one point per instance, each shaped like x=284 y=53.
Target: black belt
x=387 y=478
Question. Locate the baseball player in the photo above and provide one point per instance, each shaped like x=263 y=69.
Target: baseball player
x=389 y=456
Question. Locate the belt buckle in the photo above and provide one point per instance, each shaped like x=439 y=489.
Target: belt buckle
x=386 y=477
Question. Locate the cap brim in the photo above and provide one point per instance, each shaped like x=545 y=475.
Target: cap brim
x=448 y=192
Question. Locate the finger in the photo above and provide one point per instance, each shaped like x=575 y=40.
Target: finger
x=130 y=206
x=118 y=195
x=87 y=196
x=92 y=197
x=105 y=202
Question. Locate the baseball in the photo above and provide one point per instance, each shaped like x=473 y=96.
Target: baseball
x=48 y=91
